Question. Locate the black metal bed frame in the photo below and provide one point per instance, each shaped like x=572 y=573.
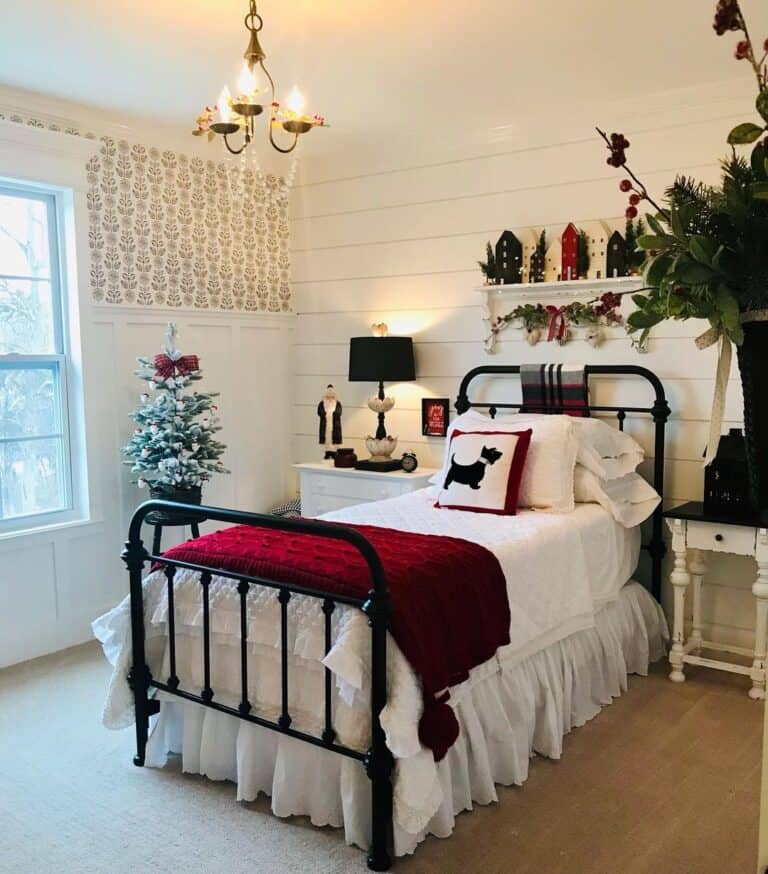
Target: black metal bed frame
x=377 y=760
x=659 y=412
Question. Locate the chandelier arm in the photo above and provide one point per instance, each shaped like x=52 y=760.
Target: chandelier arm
x=280 y=148
x=231 y=150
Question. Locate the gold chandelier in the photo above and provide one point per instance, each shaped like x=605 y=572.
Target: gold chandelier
x=233 y=114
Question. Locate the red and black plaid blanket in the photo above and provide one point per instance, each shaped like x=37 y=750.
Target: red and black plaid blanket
x=555 y=388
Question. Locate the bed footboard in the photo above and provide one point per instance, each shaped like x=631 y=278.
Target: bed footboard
x=378 y=761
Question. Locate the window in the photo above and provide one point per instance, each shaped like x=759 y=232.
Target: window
x=35 y=468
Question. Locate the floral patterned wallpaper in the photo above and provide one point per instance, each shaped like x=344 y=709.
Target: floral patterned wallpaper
x=169 y=230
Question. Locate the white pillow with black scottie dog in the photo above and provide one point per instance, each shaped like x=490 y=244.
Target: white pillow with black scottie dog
x=483 y=471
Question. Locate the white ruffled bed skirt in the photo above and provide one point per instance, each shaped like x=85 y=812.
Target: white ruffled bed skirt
x=520 y=709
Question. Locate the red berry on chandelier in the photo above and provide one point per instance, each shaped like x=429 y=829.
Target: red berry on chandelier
x=634 y=199
x=625 y=185
x=742 y=50
x=631 y=212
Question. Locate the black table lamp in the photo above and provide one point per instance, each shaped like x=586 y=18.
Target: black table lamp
x=381 y=359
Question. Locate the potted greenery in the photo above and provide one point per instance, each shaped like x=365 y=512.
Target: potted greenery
x=706 y=257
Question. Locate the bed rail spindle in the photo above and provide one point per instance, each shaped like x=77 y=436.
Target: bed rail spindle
x=173 y=679
x=242 y=587
x=205 y=582
x=329 y=734
x=621 y=415
x=284 y=597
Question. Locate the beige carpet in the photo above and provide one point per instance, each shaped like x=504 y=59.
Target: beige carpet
x=665 y=781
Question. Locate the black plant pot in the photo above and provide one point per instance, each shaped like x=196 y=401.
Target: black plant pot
x=179 y=496
x=753 y=366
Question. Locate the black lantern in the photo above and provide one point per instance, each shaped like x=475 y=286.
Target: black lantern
x=509 y=259
x=726 y=482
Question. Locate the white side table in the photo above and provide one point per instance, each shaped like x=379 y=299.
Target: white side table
x=325 y=488
x=694 y=534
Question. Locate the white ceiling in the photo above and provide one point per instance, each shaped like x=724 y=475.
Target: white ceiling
x=377 y=70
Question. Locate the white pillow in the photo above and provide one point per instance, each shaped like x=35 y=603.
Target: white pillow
x=629 y=499
x=547 y=482
x=606 y=451
x=485 y=471
x=603 y=449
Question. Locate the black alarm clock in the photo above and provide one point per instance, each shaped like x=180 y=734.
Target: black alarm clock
x=409 y=462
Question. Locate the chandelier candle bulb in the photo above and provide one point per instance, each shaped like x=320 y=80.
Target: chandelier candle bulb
x=225 y=113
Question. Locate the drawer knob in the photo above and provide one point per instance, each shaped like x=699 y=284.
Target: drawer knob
x=719 y=538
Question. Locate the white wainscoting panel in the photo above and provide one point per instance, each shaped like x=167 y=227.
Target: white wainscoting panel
x=53 y=583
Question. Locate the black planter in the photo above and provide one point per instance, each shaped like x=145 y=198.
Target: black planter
x=753 y=366
x=179 y=496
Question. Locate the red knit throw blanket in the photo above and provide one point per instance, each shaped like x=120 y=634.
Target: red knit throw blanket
x=449 y=596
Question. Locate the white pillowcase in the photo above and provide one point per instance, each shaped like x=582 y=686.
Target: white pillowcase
x=606 y=451
x=547 y=482
x=603 y=449
x=629 y=499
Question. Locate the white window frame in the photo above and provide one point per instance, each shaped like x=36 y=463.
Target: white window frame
x=55 y=361
x=53 y=164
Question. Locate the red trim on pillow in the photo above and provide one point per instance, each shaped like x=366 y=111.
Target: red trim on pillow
x=514 y=478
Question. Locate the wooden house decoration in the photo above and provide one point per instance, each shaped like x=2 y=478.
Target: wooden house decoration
x=537 y=267
x=616 y=259
x=509 y=259
x=570 y=247
x=554 y=258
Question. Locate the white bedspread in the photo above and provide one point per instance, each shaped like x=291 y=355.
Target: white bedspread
x=558 y=570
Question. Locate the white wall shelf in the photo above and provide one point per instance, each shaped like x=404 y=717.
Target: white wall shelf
x=501 y=298
x=571 y=288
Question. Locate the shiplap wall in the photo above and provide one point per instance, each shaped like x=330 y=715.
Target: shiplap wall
x=400 y=243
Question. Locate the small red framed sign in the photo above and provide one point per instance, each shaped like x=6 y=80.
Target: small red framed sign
x=434 y=417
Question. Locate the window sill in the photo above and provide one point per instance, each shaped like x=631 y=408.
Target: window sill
x=47 y=529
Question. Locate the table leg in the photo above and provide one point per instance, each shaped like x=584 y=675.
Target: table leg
x=697 y=568
x=760 y=591
x=680 y=578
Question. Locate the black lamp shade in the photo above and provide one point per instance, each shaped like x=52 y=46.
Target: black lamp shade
x=381 y=359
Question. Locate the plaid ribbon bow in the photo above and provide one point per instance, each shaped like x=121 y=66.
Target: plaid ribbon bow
x=167 y=367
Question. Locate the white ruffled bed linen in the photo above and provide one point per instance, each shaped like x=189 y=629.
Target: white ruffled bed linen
x=558 y=569
x=505 y=717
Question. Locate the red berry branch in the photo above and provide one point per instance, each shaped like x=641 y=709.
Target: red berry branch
x=728 y=18
x=617 y=145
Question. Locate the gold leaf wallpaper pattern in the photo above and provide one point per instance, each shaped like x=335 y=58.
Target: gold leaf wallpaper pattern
x=169 y=230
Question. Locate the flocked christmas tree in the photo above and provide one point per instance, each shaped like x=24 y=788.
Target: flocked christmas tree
x=173 y=445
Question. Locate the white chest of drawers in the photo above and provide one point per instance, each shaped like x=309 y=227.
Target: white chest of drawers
x=325 y=488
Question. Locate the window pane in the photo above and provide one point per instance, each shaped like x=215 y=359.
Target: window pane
x=31 y=477
x=24 y=246
x=29 y=402
x=26 y=317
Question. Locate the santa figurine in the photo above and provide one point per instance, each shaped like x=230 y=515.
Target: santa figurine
x=329 y=408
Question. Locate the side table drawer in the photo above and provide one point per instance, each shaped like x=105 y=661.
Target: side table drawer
x=356 y=490
x=721 y=538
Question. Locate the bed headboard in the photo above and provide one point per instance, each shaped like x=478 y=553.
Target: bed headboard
x=658 y=410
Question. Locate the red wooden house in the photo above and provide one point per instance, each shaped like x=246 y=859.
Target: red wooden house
x=570 y=246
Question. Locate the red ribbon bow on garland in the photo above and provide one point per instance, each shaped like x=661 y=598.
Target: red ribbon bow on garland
x=167 y=367
x=557 y=322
